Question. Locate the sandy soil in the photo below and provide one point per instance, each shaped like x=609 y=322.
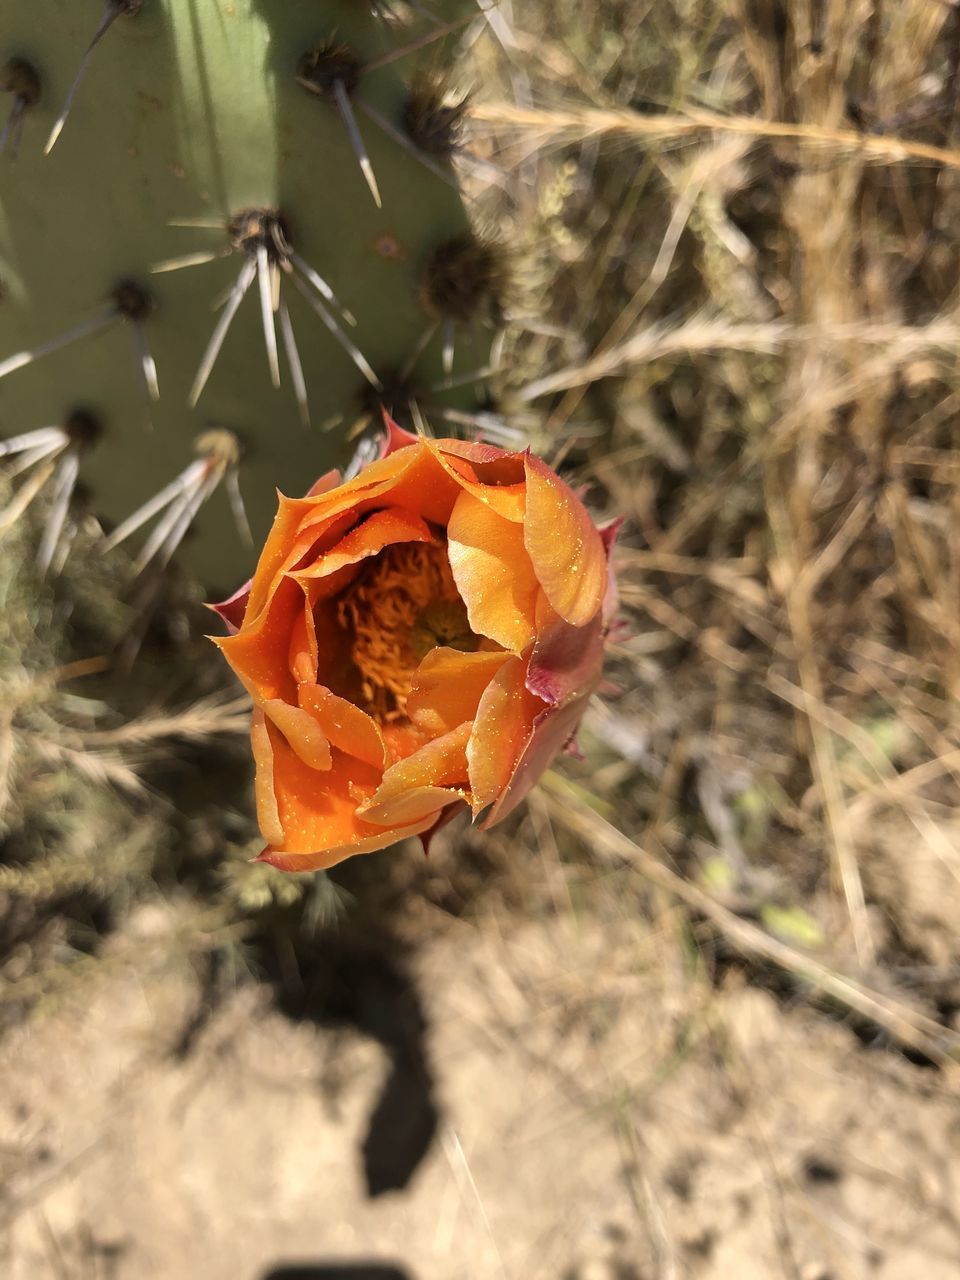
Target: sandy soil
x=588 y=1111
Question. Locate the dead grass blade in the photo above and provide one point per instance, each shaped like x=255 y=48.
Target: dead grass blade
x=205 y=718
x=554 y=127
x=705 y=334
x=904 y=1024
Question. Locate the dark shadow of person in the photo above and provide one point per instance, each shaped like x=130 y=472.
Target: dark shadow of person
x=349 y=972
x=340 y=981
x=364 y=986
x=337 y=1271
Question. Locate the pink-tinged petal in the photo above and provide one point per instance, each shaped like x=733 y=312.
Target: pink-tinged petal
x=563 y=671
x=298 y=530
x=302 y=732
x=493 y=573
x=268 y=815
x=448 y=686
x=564 y=545
x=611 y=600
x=501 y=732
x=345 y=725
x=446 y=817
x=552 y=730
x=232 y=609
x=421 y=785
x=396 y=438
x=489 y=463
x=566 y=661
x=381 y=529
x=329 y=480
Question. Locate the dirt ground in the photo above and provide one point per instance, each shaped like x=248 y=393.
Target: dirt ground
x=586 y=1109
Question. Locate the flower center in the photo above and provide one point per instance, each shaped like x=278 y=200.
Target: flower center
x=401 y=606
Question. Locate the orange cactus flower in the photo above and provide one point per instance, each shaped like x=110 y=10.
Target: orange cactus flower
x=420 y=639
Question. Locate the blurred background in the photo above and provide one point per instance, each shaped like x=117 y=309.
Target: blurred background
x=695 y=1012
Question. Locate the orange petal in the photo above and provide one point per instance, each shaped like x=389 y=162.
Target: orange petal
x=321 y=860
x=345 y=725
x=302 y=649
x=301 y=521
x=418 y=805
x=283 y=531
x=492 y=572
x=268 y=815
x=492 y=475
x=501 y=731
x=447 y=687
x=410 y=477
x=381 y=529
x=259 y=652
x=278 y=648
x=423 y=486
x=299 y=528
x=302 y=732
x=564 y=545
x=402 y=740
x=318 y=810
x=418 y=787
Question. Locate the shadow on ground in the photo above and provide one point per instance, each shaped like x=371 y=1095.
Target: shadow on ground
x=337 y=981
x=337 y=1271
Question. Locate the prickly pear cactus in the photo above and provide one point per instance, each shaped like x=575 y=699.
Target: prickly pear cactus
x=228 y=232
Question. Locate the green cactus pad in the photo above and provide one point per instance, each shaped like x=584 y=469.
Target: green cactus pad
x=193 y=113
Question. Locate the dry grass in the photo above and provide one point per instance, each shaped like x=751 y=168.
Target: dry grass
x=741 y=226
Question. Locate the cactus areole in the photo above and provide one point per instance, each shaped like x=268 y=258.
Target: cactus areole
x=210 y=244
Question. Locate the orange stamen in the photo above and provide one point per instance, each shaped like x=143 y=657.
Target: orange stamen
x=386 y=610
